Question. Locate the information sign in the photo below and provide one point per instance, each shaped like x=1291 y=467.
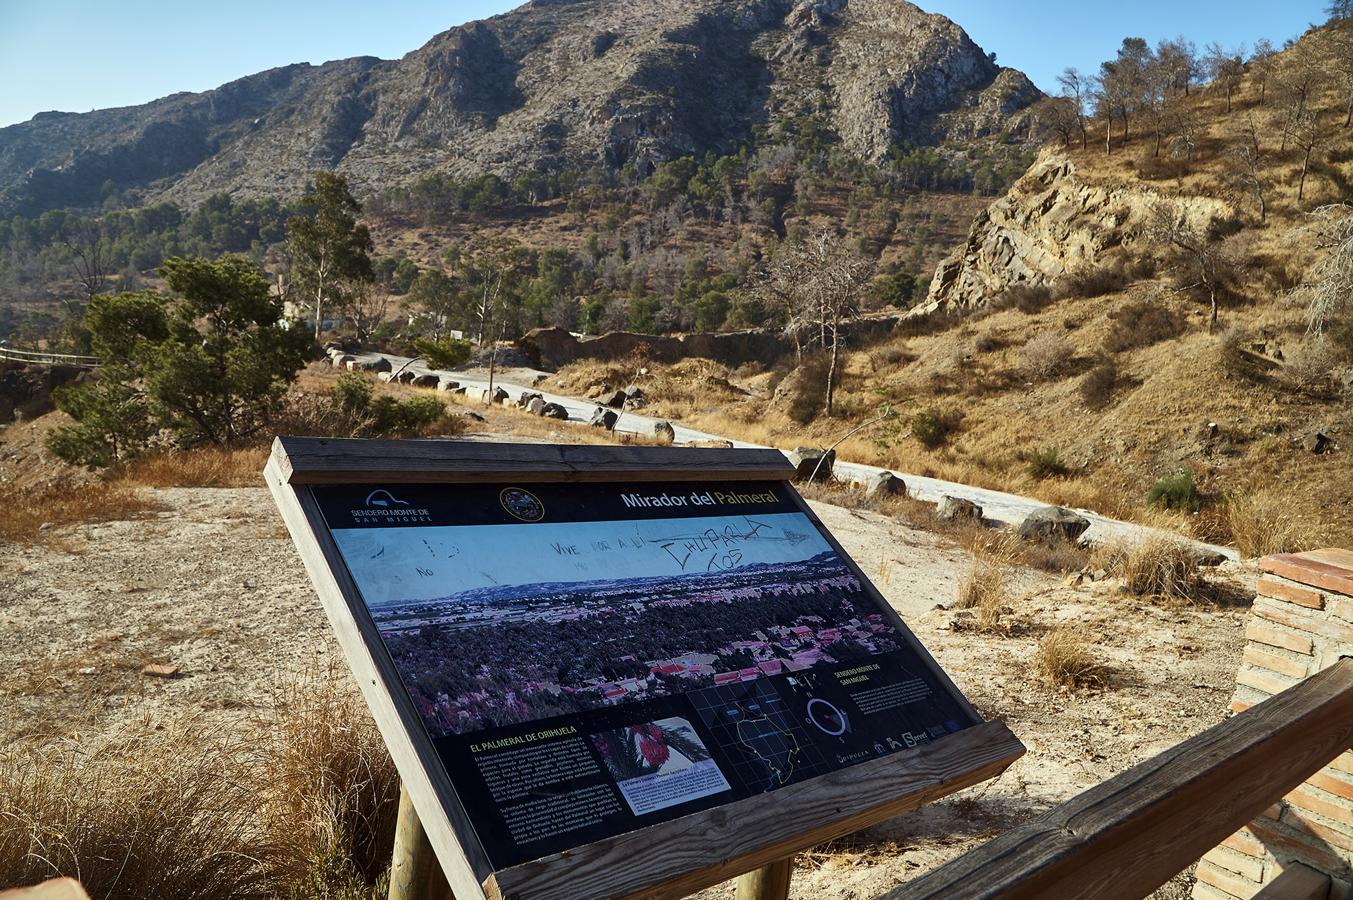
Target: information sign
x=578 y=662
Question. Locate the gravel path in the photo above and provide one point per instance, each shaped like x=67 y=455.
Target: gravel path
x=997 y=506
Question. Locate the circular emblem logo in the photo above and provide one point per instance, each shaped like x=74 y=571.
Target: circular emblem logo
x=522 y=504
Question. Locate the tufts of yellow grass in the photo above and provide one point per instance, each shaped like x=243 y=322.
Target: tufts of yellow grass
x=28 y=510
x=1154 y=566
x=200 y=467
x=1066 y=659
x=299 y=804
x=1260 y=524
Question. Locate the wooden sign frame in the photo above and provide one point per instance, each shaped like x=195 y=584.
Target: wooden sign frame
x=668 y=859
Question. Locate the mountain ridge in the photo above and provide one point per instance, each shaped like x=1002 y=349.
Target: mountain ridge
x=544 y=87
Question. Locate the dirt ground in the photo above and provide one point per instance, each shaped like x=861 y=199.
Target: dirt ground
x=210 y=582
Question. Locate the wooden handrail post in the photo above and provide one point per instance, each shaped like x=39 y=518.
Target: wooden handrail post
x=770 y=882
x=415 y=873
x=1125 y=837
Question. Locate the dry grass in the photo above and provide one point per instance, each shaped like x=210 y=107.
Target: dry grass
x=1265 y=523
x=149 y=815
x=300 y=805
x=332 y=791
x=27 y=511
x=215 y=467
x=1154 y=566
x=1066 y=659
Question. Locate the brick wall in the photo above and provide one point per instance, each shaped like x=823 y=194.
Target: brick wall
x=1301 y=622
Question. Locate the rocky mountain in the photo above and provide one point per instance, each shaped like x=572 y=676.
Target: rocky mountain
x=550 y=85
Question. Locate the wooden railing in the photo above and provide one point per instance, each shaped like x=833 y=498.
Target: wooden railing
x=1129 y=835
x=49 y=359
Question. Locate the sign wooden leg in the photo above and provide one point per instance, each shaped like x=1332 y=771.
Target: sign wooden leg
x=768 y=882
x=415 y=873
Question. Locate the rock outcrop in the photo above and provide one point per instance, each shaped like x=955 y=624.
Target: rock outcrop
x=1051 y=222
x=545 y=87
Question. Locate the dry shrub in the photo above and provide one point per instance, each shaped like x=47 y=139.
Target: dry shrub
x=202 y=467
x=1098 y=384
x=26 y=510
x=1264 y=523
x=1141 y=324
x=301 y=805
x=332 y=793
x=159 y=816
x=1045 y=354
x=1027 y=298
x=1154 y=566
x=1066 y=659
x=1090 y=282
x=1232 y=354
x=985 y=587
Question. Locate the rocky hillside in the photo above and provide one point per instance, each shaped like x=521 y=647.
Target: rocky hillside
x=550 y=85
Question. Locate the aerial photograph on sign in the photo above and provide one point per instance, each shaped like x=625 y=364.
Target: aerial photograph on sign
x=493 y=625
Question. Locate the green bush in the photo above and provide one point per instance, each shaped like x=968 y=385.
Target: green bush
x=1046 y=462
x=1176 y=491
x=444 y=353
x=932 y=427
x=384 y=416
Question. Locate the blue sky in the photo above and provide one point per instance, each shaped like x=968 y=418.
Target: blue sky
x=78 y=55
x=420 y=563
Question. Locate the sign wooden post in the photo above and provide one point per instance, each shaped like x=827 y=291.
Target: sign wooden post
x=415 y=873
x=617 y=671
x=768 y=882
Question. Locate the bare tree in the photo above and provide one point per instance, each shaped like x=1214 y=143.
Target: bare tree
x=823 y=280
x=1303 y=131
x=1177 y=59
x=1060 y=116
x=490 y=320
x=90 y=259
x=1331 y=291
x=1077 y=89
x=1295 y=87
x=1224 y=69
x=1251 y=171
x=1261 y=66
x=365 y=306
x=1200 y=264
x=1341 y=60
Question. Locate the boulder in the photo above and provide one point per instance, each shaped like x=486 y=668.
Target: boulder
x=950 y=508
x=713 y=444
x=554 y=411
x=616 y=400
x=405 y=376
x=446 y=384
x=885 y=484
x=536 y=406
x=634 y=392
x=809 y=462
x=426 y=379
x=383 y=376
x=375 y=364
x=332 y=345
x=1317 y=442
x=343 y=360
x=539 y=380
x=473 y=416
x=1053 y=523
x=527 y=396
x=603 y=418
x=460 y=390
x=500 y=396
x=664 y=432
